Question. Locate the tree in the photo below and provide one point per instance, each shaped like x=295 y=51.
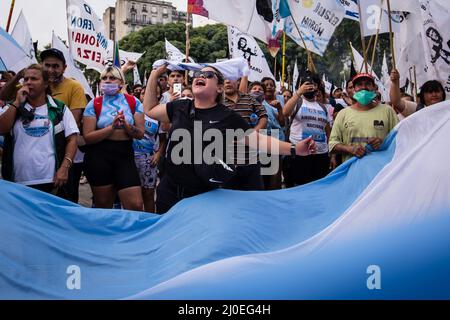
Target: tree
x=210 y=42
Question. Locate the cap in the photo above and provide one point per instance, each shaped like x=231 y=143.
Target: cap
x=360 y=76
x=53 y=53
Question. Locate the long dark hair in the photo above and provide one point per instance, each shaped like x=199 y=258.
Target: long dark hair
x=431 y=86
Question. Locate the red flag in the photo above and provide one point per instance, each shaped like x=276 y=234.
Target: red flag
x=196 y=7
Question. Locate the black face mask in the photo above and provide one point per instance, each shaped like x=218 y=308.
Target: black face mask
x=310 y=95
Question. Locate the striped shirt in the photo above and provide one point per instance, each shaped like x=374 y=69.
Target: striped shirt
x=245 y=106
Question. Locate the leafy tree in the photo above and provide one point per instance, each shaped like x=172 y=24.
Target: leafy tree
x=210 y=42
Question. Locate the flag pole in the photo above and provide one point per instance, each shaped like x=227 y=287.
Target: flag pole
x=311 y=65
x=188 y=47
x=415 y=84
x=275 y=67
x=283 y=73
x=363 y=42
x=391 y=37
x=11 y=10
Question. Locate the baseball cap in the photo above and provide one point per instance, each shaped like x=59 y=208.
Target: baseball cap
x=53 y=53
x=361 y=76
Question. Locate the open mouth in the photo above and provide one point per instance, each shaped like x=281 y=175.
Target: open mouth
x=200 y=82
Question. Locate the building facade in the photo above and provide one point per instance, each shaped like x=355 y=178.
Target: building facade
x=132 y=15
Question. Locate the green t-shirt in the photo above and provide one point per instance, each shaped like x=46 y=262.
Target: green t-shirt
x=353 y=127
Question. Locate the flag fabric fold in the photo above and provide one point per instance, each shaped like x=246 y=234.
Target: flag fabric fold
x=250 y=245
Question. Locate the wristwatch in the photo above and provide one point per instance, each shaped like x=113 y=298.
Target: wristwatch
x=293 y=150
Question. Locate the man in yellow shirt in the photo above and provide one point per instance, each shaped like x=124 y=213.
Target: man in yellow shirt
x=71 y=92
x=365 y=122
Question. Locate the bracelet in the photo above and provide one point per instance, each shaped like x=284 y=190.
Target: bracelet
x=70 y=160
x=68 y=167
x=13 y=105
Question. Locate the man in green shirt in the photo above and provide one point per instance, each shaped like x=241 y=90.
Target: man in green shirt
x=365 y=122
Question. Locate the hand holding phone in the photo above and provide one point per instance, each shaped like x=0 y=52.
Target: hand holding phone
x=177 y=87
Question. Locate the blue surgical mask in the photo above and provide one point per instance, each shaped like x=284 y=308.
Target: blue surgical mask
x=110 y=89
x=364 y=97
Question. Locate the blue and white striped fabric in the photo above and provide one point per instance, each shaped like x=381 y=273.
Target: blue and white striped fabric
x=390 y=209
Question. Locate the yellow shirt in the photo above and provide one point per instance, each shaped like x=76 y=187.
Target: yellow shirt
x=353 y=127
x=70 y=92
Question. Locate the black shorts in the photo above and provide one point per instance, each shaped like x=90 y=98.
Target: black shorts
x=111 y=163
x=169 y=193
x=309 y=168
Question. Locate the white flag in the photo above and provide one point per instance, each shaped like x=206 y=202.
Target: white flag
x=295 y=76
x=317 y=20
x=409 y=49
x=385 y=78
x=71 y=71
x=374 y=17
x=87 y=37
x=249 y=16
x=124 y=55
x=136 y=76
x=22 y=35
x=328 y=85
x=174 y=54
x=245 y=46
x=12 y=56
x=436 y=41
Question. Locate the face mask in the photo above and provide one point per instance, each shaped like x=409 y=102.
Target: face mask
x=110 y=89
x=364 y=97
x=258 y=96
x=310 y=95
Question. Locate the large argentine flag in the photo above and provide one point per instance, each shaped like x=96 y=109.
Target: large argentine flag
x=376 y=228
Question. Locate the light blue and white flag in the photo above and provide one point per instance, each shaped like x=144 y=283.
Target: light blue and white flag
x=375 y=228
x=316 y=20
x=12 y=55
x=231 y=69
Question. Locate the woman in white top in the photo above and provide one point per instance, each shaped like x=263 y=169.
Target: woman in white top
x=40 y=135
x=309 y=118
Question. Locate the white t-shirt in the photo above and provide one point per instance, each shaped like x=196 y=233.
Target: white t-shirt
x=311 y=120
x=165 y=98
x=34 y=152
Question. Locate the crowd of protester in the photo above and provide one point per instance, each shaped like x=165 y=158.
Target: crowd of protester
x=127 y=140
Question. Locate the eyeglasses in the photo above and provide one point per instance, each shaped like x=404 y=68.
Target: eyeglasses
x=205 y=74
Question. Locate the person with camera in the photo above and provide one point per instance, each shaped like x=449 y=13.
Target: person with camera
x=309 y=118
x=110 y=124
x=40 y=135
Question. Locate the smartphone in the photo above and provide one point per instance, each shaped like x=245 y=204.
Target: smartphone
x=177 y=87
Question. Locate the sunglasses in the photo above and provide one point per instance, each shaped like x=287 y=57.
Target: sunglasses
x=205 y=74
